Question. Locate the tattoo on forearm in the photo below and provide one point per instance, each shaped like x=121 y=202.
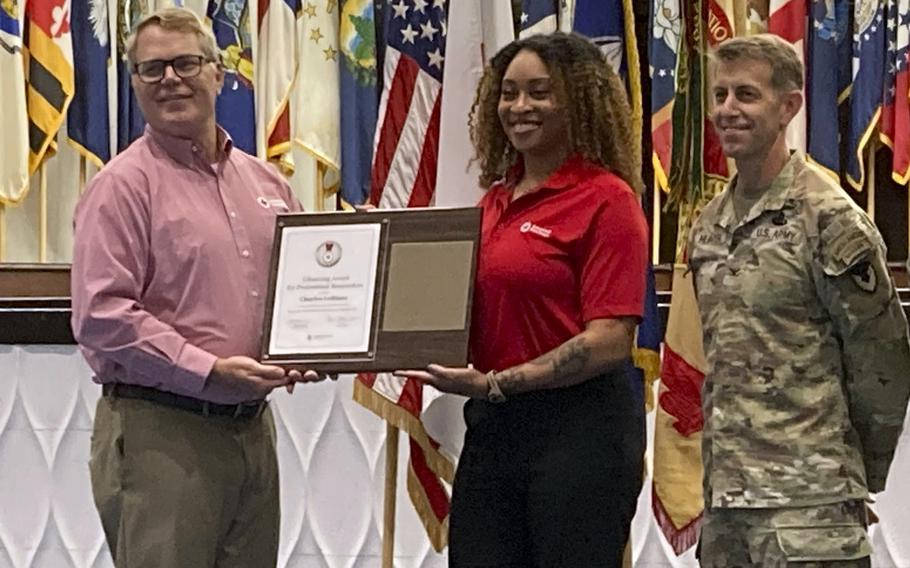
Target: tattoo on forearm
x=566 y=360
x=571 y=358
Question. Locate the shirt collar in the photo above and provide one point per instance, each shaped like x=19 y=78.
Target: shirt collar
x=183 y=149
x=566 y=175
x=773 y=199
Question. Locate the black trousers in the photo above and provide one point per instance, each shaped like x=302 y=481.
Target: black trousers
x=549 y=478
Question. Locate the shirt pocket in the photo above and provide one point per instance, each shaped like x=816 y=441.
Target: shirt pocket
x=823 y=543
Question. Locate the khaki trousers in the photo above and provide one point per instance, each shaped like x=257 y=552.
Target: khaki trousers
x=176 y=489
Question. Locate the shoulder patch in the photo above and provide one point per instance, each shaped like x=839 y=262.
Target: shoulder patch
x=847 y=241
x=863 y=275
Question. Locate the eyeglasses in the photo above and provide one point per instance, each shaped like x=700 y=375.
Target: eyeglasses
x=185 y=66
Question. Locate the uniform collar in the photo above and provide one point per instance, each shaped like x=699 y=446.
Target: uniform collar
x=184 y=150
x=773 y=199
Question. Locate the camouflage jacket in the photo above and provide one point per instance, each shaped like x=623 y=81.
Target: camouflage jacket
x=808 y=357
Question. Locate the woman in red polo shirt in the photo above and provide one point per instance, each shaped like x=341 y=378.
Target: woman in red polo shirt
x=552 y=460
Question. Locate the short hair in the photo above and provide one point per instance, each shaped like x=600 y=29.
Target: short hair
x=175 y=19
x=786 y=66
x=593 y=101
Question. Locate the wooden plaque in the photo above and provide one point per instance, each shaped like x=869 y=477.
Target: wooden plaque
x=371 y=291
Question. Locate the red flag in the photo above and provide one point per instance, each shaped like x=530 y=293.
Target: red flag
x=787 y=19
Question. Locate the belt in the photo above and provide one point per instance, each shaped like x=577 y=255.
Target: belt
x=203 y=407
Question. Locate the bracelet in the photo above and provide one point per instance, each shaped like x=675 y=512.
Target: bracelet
x=494 y=391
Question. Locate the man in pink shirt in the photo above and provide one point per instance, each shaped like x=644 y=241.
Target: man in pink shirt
x=170 y=268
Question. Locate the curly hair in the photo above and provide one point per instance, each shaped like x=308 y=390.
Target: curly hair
x=592 y=98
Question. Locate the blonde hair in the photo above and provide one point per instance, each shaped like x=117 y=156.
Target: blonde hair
x=779 y=54
x=592 y=97
x=178 y=20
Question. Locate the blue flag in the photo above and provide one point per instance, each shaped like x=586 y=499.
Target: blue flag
x=88 y=124
x=648 y=337
x=9 y=24
x=538 y=17
x=664 y=32
x=130 y=122
x=868 y=80
x=235 y=107
x=359 y=98
x=604 y=22
x=826 y=47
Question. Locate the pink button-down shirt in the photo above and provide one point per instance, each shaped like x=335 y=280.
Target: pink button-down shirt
x=171 y=260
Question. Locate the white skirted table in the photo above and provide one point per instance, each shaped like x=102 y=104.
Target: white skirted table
x=331 y=456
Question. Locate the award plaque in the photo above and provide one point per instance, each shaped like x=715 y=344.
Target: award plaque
x=371 y=291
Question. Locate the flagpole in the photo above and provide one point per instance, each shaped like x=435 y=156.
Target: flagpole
x=320 y=185
x=870 y=182
x=42 y=214
x=2 y=232
x=83 y=174
x=391 y=486
x=655 y=224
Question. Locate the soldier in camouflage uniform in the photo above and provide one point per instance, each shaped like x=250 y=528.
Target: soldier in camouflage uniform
x=808 y=357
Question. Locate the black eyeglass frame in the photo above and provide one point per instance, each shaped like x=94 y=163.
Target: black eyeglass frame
x=199 y=59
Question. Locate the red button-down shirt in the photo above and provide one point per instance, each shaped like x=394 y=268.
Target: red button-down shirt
x=170 y=264
x=572 y=251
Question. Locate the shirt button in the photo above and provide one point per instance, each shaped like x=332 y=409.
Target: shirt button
x=245 y=253
x=233 y=214
x=195 y=148
x=254 y=293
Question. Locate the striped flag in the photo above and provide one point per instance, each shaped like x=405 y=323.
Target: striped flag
x=664 y=43
x=407 y=137
x=402 y=402
x=404 y=175
x=359 y=97
x=895 y=127
x=49 y=64
x=130 y=122
x=869 y=27
x=277 y=74
x=235 y=108
x=538 y=17
x=13 y=112
x=88 y=123
x=828 y=78
x=677 y=501
x=787 y=19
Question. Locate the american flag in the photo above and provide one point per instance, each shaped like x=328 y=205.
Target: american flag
x=404 y=175
x=895 y=126
x=407 y=137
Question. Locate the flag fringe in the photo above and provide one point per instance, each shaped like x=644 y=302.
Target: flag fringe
x=437 y=531
x=900 y=177
x=648 y=361
x=86 y=153
x=408 y=423
x=860 y=150
x=680 y=539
